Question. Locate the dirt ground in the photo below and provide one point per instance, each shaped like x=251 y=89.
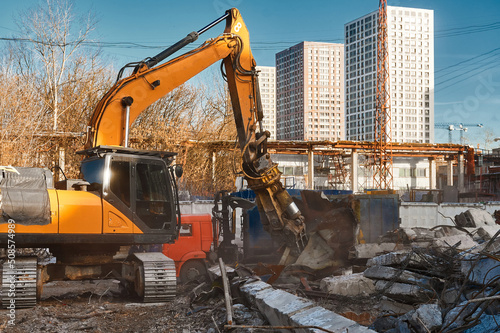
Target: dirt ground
x=98 y=306
x=101 y=306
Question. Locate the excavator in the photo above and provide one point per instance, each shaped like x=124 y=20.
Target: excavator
x=128 y=196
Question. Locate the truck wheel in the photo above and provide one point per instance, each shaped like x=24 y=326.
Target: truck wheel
x=192 y=270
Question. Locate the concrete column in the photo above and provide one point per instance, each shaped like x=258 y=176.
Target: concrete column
x=310 y=170
x=449 y=173
x=354 y=171
x=432 y=173
x=461 y=173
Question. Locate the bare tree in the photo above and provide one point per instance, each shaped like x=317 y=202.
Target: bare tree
x=54 y=55
x=52 y=78
x=185 y=121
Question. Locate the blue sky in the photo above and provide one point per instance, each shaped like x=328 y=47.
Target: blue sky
x=467 y=41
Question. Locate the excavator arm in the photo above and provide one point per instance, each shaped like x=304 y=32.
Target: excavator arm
x=125 y=101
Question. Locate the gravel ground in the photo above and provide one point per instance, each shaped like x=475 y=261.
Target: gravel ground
x=96 y=306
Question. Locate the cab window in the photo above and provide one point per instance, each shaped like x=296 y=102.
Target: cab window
x=154 y=203
x=120 y=180
x=186 y=230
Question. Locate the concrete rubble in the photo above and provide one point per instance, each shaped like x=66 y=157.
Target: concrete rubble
x=440 y=279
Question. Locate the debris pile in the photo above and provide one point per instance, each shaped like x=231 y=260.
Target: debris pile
x=444 y=279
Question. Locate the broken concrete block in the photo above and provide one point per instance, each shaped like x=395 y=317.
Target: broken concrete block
x=445 y=230
x=320 y=317
x=463 y=242
x=317 y=254
x=427 y=318
x=474 y=217
x=486 y=323
x=481 y=217
x=450 y=295
x=388 y=305
x=492 y=248
x=389 y=259
x=402 y=327
x=419 y=234
x=407 y=293
x=370 y=250
x=398 y=275
x=459 y=316
x=397 y=258
x=348 y=285
x=488 y=232
x=384 y=323
x=483 y=271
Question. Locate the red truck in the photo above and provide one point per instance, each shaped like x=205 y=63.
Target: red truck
x=191 y=250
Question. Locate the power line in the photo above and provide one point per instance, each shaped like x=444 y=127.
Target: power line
x=495 y=55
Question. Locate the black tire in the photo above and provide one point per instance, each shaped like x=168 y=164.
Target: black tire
x=192 y=270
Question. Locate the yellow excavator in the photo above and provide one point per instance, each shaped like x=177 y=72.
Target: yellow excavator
x=128 y=196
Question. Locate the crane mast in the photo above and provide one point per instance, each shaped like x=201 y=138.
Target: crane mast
x=382 y=176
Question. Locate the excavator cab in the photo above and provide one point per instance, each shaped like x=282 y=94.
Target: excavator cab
x=139 y=184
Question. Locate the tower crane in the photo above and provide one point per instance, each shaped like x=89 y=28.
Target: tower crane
x=456 y=127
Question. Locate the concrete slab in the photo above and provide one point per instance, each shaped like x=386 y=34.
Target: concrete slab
x=284 y=309
x=394 y=274
x=466 y=242
x=317 y=254
x=390 y=306
x=407 y=293
x=419 y=234
x=444 y=231
x=348 y=285
x=427 y=317
x=396 y=258
x=483 y=271
x=370 y=250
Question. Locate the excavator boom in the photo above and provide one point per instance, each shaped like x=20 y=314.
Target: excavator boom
x=150 y=81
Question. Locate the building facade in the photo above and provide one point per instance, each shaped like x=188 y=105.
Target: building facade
x=411 y=74
x=310 y=92
x=267 y=87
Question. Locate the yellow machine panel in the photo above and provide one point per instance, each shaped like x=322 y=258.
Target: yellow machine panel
x=116 y=222
x=79 y=212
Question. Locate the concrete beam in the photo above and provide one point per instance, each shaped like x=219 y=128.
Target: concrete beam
x=284 y=309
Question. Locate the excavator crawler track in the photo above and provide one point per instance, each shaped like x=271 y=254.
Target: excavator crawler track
x=155 y=277
x=19 y=283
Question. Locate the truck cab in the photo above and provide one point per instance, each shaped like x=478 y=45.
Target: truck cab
x=192 y=248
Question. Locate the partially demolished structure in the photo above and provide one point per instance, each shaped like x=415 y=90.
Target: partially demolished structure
x=440 y=279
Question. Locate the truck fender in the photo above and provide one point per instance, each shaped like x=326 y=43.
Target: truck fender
x=196 y=255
